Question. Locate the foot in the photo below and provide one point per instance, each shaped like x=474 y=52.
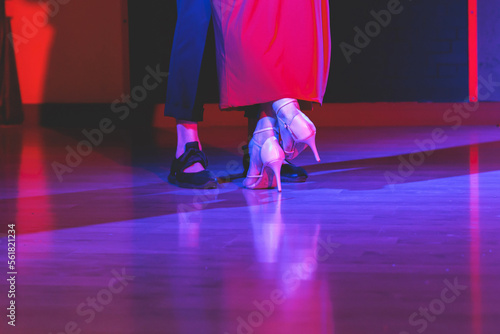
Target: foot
x=266 y=159
x=289 y=172
x=186 y=172
x=195 y=168
x=296 y=129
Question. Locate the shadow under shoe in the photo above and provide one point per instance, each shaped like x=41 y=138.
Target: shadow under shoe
x=200 y=180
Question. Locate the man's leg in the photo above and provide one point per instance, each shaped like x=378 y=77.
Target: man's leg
x=183 y=102
x=187 y=132
x=193 y=19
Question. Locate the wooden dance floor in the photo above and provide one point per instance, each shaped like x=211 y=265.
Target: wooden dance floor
x=396 y=231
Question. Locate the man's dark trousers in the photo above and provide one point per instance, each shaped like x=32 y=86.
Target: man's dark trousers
x=183 y=96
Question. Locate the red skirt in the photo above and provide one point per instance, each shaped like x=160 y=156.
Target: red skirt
x=268 y=50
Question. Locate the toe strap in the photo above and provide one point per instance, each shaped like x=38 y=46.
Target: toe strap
x=191 y=156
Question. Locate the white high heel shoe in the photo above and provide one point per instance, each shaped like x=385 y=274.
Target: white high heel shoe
x=298 y=133
x=267 y=158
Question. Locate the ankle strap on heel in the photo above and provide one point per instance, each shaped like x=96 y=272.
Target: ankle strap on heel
x=277 y=106
x=265 y=129
x=260 y=131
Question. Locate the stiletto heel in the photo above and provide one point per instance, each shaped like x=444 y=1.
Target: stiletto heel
x=311 y=141
x=297 y=133
x=276 y=168
x=267 y=158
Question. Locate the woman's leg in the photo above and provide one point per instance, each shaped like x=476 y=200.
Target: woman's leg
x=266 y=155
x=265 y=127
x=289 y=172
x=296 y=129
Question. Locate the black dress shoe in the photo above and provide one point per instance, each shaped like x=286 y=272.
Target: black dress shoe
x=292 y=173
x=200 y=180
x=289 y=172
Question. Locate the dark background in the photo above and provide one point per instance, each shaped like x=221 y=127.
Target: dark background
x=489 y=43
x=422 y=55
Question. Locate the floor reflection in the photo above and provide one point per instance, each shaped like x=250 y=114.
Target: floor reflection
x=475 y=245
x=33 y=206
x=267 y=225
x=297 y=300
x=341 y=253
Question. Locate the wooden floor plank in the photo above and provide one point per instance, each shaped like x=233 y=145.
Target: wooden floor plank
x=345 y=253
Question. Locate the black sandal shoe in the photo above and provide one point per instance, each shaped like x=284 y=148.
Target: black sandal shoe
x=289 y=172
x=200 y=180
